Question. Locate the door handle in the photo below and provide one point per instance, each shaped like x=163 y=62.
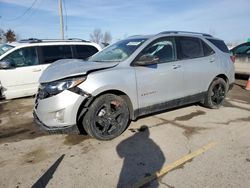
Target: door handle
x=36 y=70
x=176 y=66
x=211 y=60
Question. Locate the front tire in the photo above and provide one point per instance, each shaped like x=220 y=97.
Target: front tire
x=107 y=117
x=216 y=93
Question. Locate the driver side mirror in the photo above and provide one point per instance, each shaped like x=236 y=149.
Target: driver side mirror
x=6 y=64
x=147 y=60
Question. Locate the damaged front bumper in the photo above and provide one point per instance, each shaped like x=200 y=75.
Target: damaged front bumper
x=58 y=113
x=55 y=130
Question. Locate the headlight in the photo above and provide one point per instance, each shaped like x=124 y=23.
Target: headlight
x=54 y=88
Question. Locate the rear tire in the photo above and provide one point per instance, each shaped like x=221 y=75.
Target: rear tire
x=107 y=117
x=216 y=93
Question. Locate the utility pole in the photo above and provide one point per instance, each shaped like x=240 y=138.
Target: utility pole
x=61 y=18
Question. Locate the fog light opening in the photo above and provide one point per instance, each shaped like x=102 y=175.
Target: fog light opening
x=59 y=116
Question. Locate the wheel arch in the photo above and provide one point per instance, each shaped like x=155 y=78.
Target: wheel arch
x=85 y=104
x=223 y=76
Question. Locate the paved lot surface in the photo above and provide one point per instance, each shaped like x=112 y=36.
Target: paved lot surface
x=30 y=157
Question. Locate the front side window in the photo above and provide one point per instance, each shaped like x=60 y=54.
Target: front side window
x=119 y=51
x=189 y=47
x=54 y=53
x=162 y=49
x=23 y=57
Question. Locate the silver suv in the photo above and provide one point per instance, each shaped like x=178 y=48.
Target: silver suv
x=133 y=77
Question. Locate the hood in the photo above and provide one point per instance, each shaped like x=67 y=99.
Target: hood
x=71 y=67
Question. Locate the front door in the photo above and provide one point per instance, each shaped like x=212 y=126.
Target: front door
x=161 y=82
x=22 y=78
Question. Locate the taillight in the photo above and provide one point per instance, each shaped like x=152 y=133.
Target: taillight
x=232 y=57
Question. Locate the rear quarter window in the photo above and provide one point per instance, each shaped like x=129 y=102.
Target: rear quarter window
x=219 y=44
x=207 y=49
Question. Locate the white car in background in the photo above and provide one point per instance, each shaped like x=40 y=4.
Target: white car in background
x=242 y=58
x=22 y=63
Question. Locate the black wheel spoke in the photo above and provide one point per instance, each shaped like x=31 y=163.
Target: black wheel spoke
x=213 y=97
x=219 y=88
x=114 y=126
x=116 y=113
x=114 y=123
x=108 y=108
x=101 y=121
x=217 y=99
x=106 y=128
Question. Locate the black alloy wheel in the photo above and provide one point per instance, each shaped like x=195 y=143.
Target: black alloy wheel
x=216 y=93
x=107 y=117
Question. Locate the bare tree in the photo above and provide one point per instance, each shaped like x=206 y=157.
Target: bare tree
x=96 y=36
x=10 y=35
x=107 y=38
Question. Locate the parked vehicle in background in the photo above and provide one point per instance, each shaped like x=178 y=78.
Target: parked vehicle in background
x=133 y=77
x=22 y=63
x=242 y=58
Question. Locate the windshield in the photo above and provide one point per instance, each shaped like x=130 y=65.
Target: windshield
x=4 y=48
x=118 y=51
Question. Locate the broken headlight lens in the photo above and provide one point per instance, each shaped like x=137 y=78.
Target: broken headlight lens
x=54 y=88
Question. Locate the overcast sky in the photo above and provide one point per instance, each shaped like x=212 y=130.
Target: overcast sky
x=226 y=19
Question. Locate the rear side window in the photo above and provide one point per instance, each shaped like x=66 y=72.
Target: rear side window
x=207 y=49
x=219 y=44
x=189 y=47
x=54 y=53
x=85 y=51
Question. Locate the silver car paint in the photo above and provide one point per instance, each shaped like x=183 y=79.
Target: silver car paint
x=143 y=85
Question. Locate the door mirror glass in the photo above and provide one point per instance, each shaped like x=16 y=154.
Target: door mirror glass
x=6 y=64
x=147 y=60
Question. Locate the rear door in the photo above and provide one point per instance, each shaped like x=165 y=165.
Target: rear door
x=22 y=79
x=161 y=82
x=199 y=64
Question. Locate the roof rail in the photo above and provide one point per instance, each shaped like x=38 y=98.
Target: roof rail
x=30 y=40
x=77 y=39
x=34 y=40
x=185 y=32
